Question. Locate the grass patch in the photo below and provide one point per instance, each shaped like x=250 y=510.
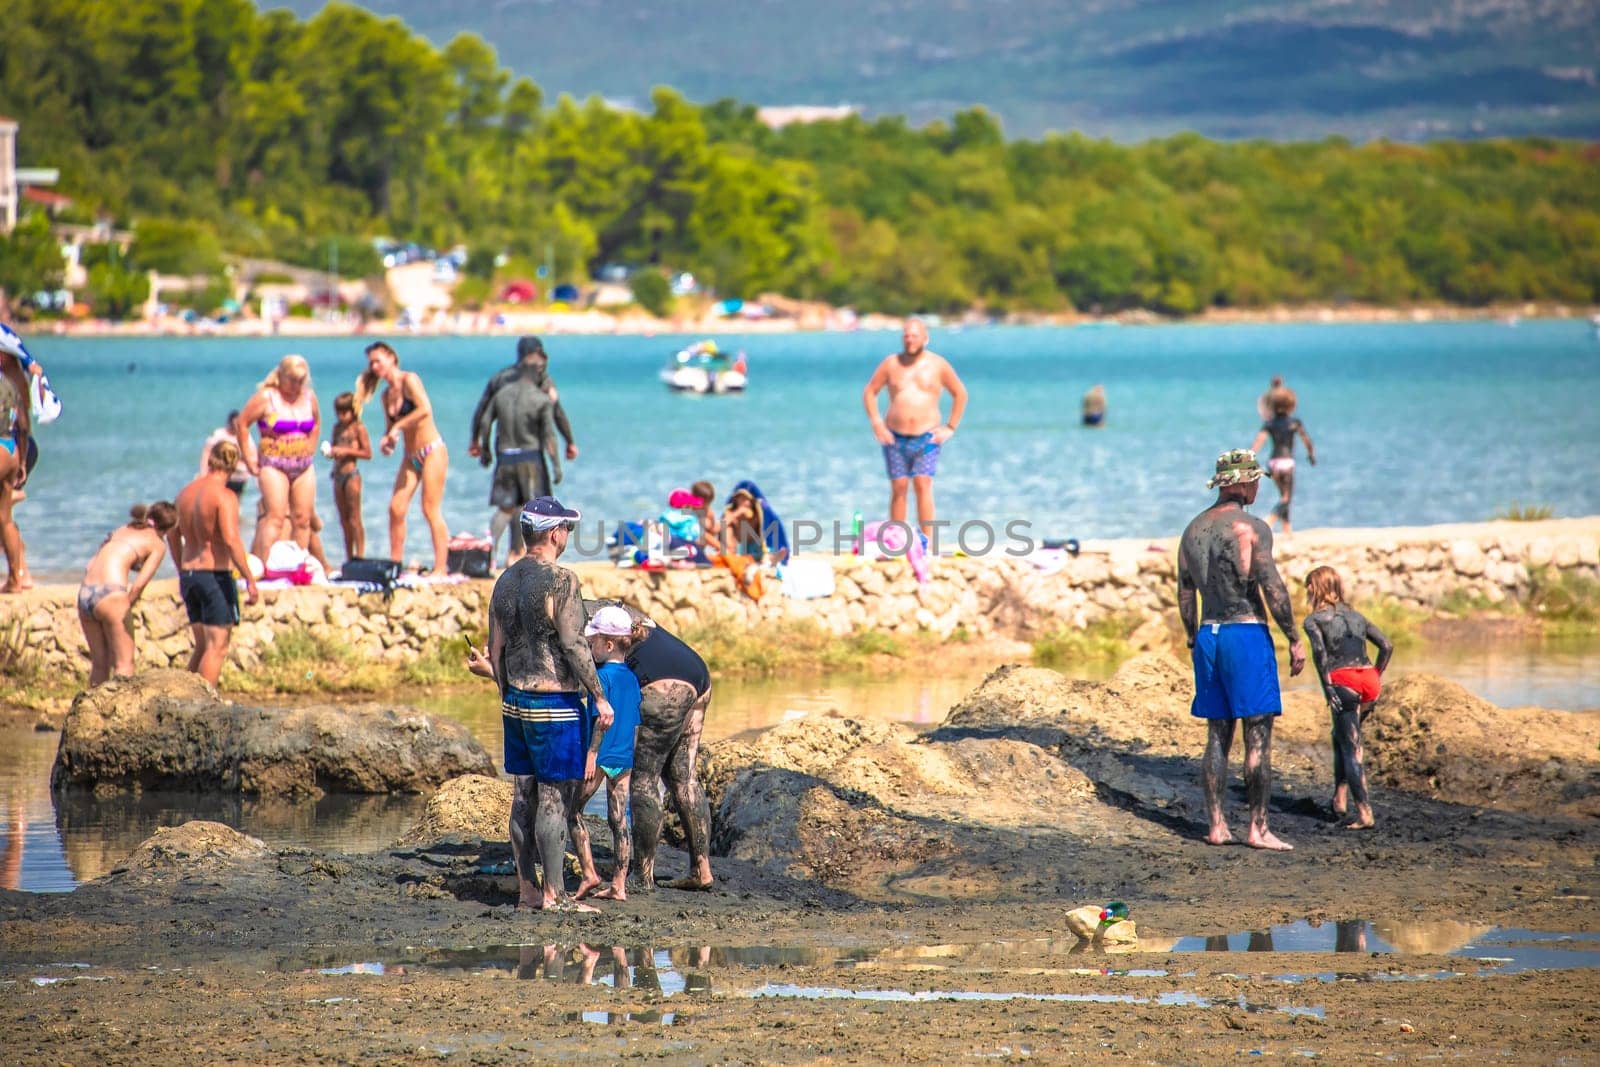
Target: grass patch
x=1519 y=512
x=24 y=678
x=800 y=646
x=1399 y=623
x=1566 y=605
x=299 y=661
x=1102 y=641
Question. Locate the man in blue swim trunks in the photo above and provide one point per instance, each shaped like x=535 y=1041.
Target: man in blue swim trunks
x=541 y=660
x=912 y=432
x=1225 y=559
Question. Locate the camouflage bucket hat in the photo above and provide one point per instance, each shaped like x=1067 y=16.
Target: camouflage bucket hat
x=1235 y=466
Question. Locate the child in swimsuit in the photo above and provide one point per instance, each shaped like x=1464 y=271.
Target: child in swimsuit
x=350 y=444
x=612 y=635
x=1339 y=636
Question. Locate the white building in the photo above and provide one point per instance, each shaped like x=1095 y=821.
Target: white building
x=14 y=179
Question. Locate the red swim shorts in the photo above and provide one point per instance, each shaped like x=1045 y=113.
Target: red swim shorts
x=1364 y=680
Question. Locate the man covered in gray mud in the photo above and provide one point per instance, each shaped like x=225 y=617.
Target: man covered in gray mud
x=521 y=417
x=514 y=471
x=541 y=661
x=1225 y=558
x=675 y=691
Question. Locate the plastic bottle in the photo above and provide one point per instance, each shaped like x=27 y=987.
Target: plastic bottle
x=855 y=531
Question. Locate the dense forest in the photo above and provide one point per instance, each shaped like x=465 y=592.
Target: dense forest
x=210 y=127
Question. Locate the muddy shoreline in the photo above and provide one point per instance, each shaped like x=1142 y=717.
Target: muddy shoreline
x=890 y=857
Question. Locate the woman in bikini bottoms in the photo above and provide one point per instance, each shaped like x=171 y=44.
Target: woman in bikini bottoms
x=105 y=598
x=408 y=416
x=1282 y=428
x=284 y=409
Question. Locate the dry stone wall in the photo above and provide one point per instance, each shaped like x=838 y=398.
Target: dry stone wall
x=979 y=597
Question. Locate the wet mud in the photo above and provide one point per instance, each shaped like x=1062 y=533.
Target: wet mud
x=883 y=896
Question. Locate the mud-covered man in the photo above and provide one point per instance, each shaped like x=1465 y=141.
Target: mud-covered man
x=541 y=661
x=1225 y=559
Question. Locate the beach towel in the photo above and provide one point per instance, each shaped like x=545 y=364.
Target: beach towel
x=807 y=579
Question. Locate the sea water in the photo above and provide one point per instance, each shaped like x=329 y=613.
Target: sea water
x=1414 y=423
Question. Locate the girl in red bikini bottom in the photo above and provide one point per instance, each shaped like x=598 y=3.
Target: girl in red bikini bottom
x=1339 y=635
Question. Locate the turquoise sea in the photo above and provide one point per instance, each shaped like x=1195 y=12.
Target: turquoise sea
x=1415 y=423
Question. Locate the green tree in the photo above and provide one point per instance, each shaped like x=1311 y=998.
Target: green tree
x=30 y=259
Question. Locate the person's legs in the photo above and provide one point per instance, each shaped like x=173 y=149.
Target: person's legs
x=617 y=815
x=693 y=809
x=216 y=650
x=523 y=854
x=897 y=498
x=302 y=507
x=588 y=877
x=1284 y=480
x=405 y=486
x=273 y=510
x=923 y=484
x=664 y=708
x=498 y=522
x=1214 y=777
x=434 y=466
x=1258 y=782
x=1341 y=785
x=99 y=648
x=1348 y=753
x=11 y=537
x=552 y=809
x=112 y=614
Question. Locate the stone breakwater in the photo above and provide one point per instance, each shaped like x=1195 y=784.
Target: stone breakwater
x=980 y=598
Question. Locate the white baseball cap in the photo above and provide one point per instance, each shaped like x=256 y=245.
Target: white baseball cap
x=611 y=621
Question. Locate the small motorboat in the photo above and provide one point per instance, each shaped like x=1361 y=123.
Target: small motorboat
x=703 y=368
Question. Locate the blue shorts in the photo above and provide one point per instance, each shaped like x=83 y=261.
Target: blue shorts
x=912 y=456
x=544 y=734
x=1235 y=672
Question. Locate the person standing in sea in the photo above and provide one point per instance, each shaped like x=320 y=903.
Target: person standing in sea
x=1282 y=428
x=531 y=360
x=520 y=416
x=542 y=662
x=912 y=432
x=1225 y=559
x=204 y=544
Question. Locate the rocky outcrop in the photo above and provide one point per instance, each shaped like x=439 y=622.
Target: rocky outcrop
x=473 y=807
x=169 y=730
x=191 y=847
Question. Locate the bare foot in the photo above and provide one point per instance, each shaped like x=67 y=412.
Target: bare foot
x=1267 y=840
x=615 y=891
x=438 y=572
x=1219 y=835
x=568 y=904
x=585 y=887
x=1363 y=821
x=691 y=884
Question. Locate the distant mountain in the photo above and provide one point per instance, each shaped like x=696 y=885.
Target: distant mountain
x=1126 y=69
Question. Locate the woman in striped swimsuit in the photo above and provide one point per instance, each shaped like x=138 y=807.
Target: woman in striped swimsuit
x=286 y=415
x=409 y=416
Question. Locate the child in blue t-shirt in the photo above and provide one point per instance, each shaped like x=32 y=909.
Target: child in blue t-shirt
x=611 y=635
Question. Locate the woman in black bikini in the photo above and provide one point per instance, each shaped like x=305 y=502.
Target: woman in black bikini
x=105 y=597
x=409 y=416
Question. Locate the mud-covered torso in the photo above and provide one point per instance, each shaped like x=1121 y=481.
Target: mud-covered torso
x=522 y=414
x=527 y=601
x=1343 y=633
x=1218 y=551
x=1281 y=430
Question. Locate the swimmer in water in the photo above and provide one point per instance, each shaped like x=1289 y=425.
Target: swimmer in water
x=105 y=598
x=1339 y=634
x=1282 y=428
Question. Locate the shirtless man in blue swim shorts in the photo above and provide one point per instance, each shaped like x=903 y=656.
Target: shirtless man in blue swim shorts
x=1225 y=559
x=912 y=433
